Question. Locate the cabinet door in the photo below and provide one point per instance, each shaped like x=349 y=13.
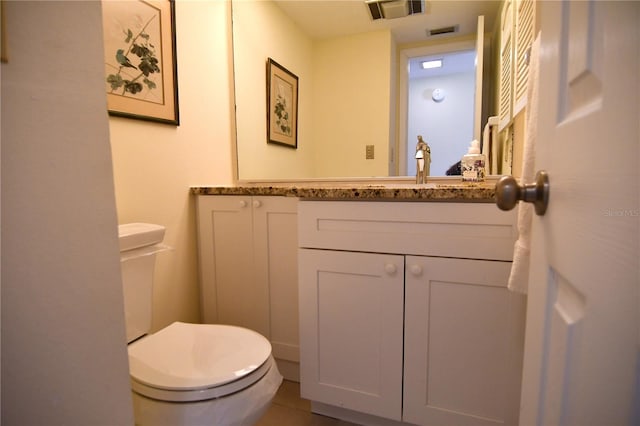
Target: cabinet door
x=229 y=289
x=248 y=266
x=351 y=315
x=463 y=343
x=275 y=239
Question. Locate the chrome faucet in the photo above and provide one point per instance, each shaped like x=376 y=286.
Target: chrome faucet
x=423 y=160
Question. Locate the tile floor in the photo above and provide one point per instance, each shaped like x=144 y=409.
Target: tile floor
x=288 y=409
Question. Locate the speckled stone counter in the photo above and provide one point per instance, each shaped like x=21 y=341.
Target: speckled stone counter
x=468 y=192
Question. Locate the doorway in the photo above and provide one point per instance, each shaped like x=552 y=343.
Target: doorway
x=440 y=108
x=448 y=133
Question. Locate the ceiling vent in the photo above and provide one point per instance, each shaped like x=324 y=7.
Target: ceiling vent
x=392 y=9
x=444 y=30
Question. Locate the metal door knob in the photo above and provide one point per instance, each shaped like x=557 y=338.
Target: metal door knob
x=508 y=193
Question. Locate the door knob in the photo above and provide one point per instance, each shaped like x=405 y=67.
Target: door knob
x=508 y=192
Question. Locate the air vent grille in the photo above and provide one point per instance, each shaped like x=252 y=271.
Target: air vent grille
x=391 y=9
x=374 y=9
x=443 y=30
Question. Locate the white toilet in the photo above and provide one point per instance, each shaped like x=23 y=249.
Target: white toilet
x=188 y=374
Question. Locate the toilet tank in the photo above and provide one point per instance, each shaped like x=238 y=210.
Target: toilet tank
x=139 y=243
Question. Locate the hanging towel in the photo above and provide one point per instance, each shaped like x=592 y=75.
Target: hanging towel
x=519 y=277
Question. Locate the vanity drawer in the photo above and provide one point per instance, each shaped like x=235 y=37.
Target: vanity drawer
x=462 y=230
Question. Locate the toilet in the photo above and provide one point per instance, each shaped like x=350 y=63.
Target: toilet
x=188 y=374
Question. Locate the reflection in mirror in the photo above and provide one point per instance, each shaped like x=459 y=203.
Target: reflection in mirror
x=349 y=92
x=440 y=106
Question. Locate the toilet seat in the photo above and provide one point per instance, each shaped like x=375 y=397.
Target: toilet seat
x=195 y=362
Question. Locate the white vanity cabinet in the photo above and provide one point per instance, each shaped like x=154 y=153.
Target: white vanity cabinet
x=248 y=268
x=404 y=312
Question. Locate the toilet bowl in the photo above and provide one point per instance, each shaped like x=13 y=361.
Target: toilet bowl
x=188 y=374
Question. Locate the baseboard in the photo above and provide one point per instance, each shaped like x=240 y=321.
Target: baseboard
x=352 y=416
x=290 y=370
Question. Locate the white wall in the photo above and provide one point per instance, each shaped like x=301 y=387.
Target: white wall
x=64 y=359
x=155 y=164
x=446 y=126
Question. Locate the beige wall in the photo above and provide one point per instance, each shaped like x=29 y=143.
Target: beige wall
x=351 y=103
x=332 y=133
x=263 y=31
x=155 y=164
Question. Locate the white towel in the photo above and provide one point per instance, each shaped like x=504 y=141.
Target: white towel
x=519 y=278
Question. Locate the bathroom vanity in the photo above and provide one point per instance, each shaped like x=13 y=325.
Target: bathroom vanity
x=404 y=312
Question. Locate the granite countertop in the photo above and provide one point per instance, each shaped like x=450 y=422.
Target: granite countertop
x=459 y=192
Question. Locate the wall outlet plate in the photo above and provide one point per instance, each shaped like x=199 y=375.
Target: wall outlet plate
x=370 y=153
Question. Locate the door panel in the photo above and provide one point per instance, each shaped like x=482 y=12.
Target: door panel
x=463 y=343
x=226 y=258
x=275 y=240
x=351 y=330
x=564 y=320
x=581 y=345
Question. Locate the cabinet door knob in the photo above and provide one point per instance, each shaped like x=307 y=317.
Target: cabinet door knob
x=416 y=270
x=257 y=203
x=390 y=268
x=243 y=204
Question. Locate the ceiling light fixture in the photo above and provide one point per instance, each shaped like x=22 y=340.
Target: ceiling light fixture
x=436 y=63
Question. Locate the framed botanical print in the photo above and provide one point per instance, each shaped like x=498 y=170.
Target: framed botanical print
x=140 y=59
x=282 y=105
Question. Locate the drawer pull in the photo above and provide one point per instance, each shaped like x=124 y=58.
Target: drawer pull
x=390 y=268
x=416 y=270
x=243 y=204
x=257 y=203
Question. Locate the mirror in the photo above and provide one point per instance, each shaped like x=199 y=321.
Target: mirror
x=349 y=83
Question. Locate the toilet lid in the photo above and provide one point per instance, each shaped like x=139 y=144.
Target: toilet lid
x=197 y=356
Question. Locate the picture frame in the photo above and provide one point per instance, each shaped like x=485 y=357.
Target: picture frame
x=140 y=60
x=282 y=105
x=4 y=56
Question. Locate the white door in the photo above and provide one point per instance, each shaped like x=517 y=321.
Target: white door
x=581 y=350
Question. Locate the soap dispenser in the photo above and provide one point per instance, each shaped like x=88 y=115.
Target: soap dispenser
x=473 y=164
